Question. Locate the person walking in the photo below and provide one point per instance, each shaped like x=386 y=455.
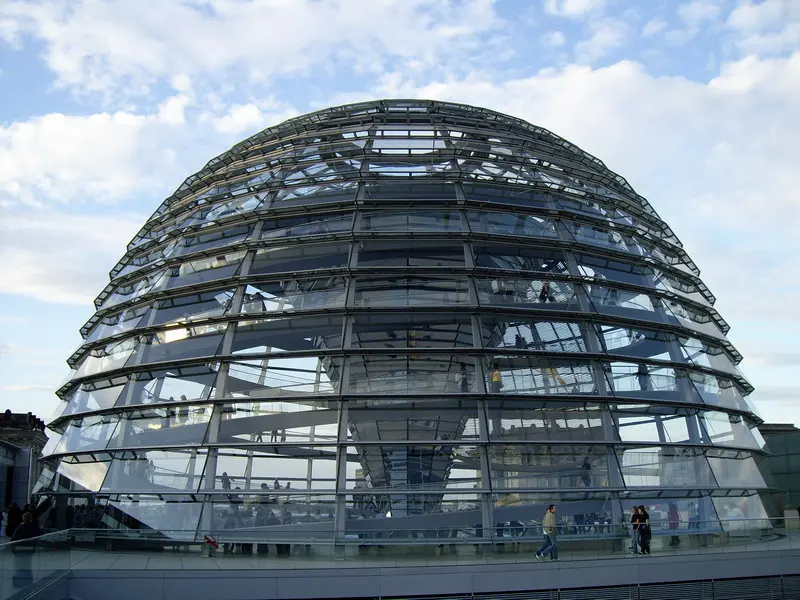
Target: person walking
x=674 y=518
x=635 y=520
x=550 y=545
x=644 y=529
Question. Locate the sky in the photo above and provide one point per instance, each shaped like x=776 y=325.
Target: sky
x=105 y=108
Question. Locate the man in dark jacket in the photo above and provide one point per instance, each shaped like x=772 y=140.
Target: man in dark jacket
x=27 y=529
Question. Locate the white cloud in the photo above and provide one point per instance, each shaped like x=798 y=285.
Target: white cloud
x=768 y=27
x=553 y=39
x=115 y=45
x=694 y=14
x=573 y=8
x=605 y=35
x=100 y=157
x=61 y=258
x=252 y=117
x=652 y=27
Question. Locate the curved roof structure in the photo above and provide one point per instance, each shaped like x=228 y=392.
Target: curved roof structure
x=397 y=317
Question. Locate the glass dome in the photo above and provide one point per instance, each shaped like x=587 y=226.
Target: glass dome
x=402 y=317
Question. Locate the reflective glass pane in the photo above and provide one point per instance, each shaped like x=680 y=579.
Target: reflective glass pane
x=639 y=343
x=264 y=336
x=717 y=391
x=410 y=291
x=725 y=429
x=549 y=467
x=677 y=515
x=527 y=375
x=399 y=420
x=192 y=307
x=175 y=517
x=741 y=513
x=503 y=195
x=527 y=293
x=107 y=358
x=664 y=467
x=273 y=471
x=578 y=513
x=155 y=471
x=623 y=303
x=411 y=374
x=87 y=433
x=117 y=323
x=436 y=221
x=316 y=194
x=79 y=477
x=513 y=224
x=189 y=383
x=735 y=469
x=527 y=333
x=417 y=330
x=655 y=423
x=305 y=257
x=293 y=294
x=216 y=239
x=586 y=233
x=518 y=258
x=283 y=377
x=683 y=314
x=400 y=253
x=307 y=226
x=404 y=191
x=418 y=467
x=704 y=354
x=178 y=343
x=278 y=422
x=537 y=421
x=207 y=268
x=136 y=288
x=85 y=400
x=158 y=427
x=652 y=382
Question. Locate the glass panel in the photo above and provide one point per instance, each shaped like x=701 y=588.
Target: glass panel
x=316 y=194
x=207 y=268
x=655 y=423
x=703 y=354
x=653 y=382
x=137 y=288
x=87 y=433
x=514 y=224
x=503 y=195
x=158 y=427
x=717 y=391
x=549 y=295
x=613 y=269
x=189 y=383
x=217 y=211
x=677 y=515
x=528 y=333
x=519 y=258
x=623 y=303
x=527 y=375
x=725 y=429
x=665 y=467
x=179 y=343
x=264 y=336
x=374 y=253
x=411 y=374
x=436 y=221
x=285 y=468
x=305 y=257
x=218 y=238
x=108 y=357
x=54 y=439
x=294 y=294
x=735 y=469
x=85 y=400
x=283 y=377
x=80 y=477
x=410 y=291
x=117 y=323
x=585 y=233
x=155 y=471
x=639 y=343
x=176 y=517
x=549 y=467
x=273 y=422
x=307 y=226
x=441 y=467
x=537 y=421
x=192 y=307
x=741 y=513
x=399 y=420
x=417 y=330
x=686 y=316
x=386 y=190
x=670 y=282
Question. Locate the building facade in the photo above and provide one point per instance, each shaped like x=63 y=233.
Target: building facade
x=22 y=439
x=407 y=320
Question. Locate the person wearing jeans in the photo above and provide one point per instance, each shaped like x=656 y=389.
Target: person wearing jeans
x=550 y=545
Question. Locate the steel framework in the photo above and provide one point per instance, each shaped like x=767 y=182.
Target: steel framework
x=403 y=317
